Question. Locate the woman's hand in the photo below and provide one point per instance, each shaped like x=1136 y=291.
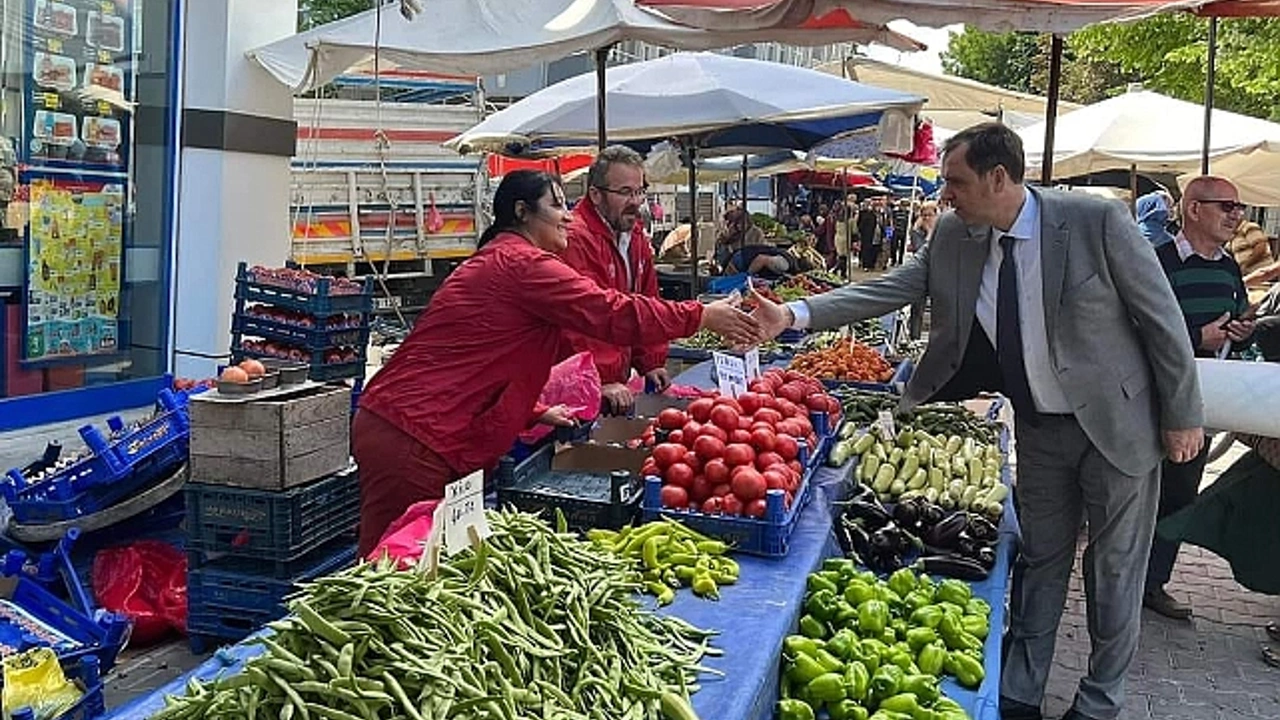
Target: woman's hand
x=724 y=318
x=558 y=416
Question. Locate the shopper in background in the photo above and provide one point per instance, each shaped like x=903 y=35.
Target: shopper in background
x=608 y=244
x=455 y=395
x=1153 y=217
x=870 y=236
x=921 y=231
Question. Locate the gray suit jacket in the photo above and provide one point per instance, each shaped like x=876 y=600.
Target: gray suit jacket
x=1116 y=336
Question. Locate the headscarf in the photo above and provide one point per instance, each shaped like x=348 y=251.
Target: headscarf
x=1153 y=216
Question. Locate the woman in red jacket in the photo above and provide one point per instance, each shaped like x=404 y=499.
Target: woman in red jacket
x=455 y=395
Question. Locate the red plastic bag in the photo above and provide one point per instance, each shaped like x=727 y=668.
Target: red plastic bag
x=147 y=582
x=435 y=221
x=403 y=539
x=574 y=382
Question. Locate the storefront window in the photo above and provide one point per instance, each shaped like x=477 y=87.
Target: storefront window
x=86 y=177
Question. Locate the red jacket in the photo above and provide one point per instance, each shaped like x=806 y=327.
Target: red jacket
x=593 y=251
x=465 y=380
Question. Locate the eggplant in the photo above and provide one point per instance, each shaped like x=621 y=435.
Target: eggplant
x=872 y=512
x=859 y=541
x=894 y=539
x=982 y=529
x=931 y=514
x=966 y=546
x=986 y=557
x=946 y=533
x=862 y=493
x=888 y=562
x=907 y=514
x=952 y=566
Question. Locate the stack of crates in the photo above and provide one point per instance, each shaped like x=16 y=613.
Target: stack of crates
x=273 y=501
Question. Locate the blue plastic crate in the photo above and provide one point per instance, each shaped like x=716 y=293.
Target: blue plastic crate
x=229 y=585
x=321 y=304
x=587 y=499
x=277 y=526
x=310 y=338
x=118 y=465
x=101 y=638
x=320 y=371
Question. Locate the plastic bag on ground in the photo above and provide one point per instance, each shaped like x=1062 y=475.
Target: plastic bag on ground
x=145 y=581
x=574 y=382
x=34 y=679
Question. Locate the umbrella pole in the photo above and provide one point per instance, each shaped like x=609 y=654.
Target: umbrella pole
x=1209 y=79
x=691 y=157
x=602 y=133
x=1133 y=190
x=1051 y=112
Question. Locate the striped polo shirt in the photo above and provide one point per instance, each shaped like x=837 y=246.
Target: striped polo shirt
x=1206 y=287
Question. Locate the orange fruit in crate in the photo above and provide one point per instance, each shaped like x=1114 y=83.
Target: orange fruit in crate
x=234 y=375
x=254 y=368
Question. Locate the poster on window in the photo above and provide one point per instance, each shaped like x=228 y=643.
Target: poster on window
x=79 y=93
x=74 y=253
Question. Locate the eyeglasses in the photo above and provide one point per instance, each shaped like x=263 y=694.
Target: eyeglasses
x=1228 y=206
x=625 y=191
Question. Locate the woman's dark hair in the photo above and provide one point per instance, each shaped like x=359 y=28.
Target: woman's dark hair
x=519 y=185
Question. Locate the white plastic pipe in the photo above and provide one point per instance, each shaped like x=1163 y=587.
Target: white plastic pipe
x=1241 y=396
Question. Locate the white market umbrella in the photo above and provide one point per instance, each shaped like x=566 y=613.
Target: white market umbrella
x=726 y=104
x=1147 y=132
x=1256 y=175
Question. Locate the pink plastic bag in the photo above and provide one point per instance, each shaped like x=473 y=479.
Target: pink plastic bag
x=147 y=582
x=574 y=382
x=403 y=539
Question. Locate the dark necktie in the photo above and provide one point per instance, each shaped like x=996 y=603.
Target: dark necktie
x=1009 y=335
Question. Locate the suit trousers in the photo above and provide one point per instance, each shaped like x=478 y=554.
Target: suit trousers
x=1061 y=479
x=1179 y=485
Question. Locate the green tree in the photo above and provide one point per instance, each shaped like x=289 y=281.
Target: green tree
x=1007 y=60
x=312 y=13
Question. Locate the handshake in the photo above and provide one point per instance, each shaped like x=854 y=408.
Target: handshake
x=746 y=322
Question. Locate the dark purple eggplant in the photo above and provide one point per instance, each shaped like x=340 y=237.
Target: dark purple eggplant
x=870 y=511
x=907 y=515
x=986 y=557
x=981 y=529
x=859 y=540
x=952 y=566
x=931 y=514
x=946 y=533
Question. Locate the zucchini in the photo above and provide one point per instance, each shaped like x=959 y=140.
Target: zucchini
x=884 y=478
x=863 y=444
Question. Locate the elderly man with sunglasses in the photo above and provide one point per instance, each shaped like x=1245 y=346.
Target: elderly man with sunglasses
x=1215 y=304
x=607 y=243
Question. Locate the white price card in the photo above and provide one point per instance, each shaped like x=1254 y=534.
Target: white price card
x=731 y=374
x=463 y=509
x=886 y=425
x=752 y=360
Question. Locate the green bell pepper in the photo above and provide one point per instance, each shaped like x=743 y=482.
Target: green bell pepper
x=818 y=581
x=799 y=644
x=902 y=582
x=827 y=688
x=924 y=713
x=858 y=592
x=846 y=710
x=954 y=591
x=812 y=627
x=918 y=637
x=932 y=658
x=844 y=567
x=915 y=600
x=968 y=671
x=946 y=704
x=950 y=608
x=902 y=702
x=900 y=626
x=843 y=644
x=977 y=606
x=857 y=680
x=885 y=682
x=829 y=662
x=869 y=651
x=791 y=709
x=889 y=636
x=846 y=615
x=821 y=604
x=889 y=715
x=953 y=716
x=886 y=594
x=903 y=659
x=803 y=669
x=975 y=625
x=924 y=687
x=928 y=616
x=873 y=616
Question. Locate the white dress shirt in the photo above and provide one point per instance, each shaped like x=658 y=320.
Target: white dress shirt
x=624 y=247
x=1045 y=388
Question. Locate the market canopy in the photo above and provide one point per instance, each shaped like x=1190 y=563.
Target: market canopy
x=1149 y=131
x=727 y=104
x=1256 y=175
x=479 y=37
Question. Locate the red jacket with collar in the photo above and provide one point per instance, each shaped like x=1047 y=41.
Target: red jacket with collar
x=593 y=251
x=465 y=381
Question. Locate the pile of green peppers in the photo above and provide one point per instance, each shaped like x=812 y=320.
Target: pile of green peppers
x=872 y=649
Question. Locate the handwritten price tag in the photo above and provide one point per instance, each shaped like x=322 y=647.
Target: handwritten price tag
x=731 y=374
x=464 y=508
x=887 y=426
x=752 y=359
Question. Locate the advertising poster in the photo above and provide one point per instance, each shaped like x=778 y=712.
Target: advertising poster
x=79 y=94
x=74 y=254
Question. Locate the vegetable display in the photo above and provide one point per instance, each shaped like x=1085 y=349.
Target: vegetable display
x=852 y=362
x=669 y=556
x=532 y=624
x=869 y=331
x=871 y=648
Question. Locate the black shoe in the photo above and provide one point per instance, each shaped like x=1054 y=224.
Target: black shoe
x=1014 y=710
x=1163 y=603
x=1074 y=714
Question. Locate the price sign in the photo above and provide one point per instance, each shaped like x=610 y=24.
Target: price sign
x=887 y=426
x=104 y=57
x=463 y=508
x=51 y=101
x=731 y=374
x=54 y=45
x=752 y=360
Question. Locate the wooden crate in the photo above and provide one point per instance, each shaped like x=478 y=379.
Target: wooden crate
x=272 y=443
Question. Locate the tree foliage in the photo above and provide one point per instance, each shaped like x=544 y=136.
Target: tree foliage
x=1167 y=53
x=312 y=13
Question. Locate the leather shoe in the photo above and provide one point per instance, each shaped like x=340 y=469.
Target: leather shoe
x=1163 y=603
x=1014 y=710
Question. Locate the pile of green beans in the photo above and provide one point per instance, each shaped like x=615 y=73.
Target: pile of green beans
x=532 y=624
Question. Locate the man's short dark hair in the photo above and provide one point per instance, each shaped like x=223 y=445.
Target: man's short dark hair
x=614 y=154
x=988 y=145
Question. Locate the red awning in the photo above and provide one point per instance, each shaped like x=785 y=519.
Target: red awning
x=1241 y=8
x=500 y=165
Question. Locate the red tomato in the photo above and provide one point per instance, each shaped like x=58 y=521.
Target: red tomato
x=677 y=437
x=749 y=485
x=717 y=471
x=756 y=508
x=701 y=488
x=775 y=480
x=763 y=440
x=768 y=459
x=667 y=454
x=650 y=467
x=792 y=391
x=817 y=403
x=700 y=409
x=797 y=470
x=758 y=425
x=716 y=432
x=713 y=506
x=739 y=454
x=750 y=402
x=833 y=407
x=674 y=496
x=768 y=415
x=794 y=375
x=787 y=447
x=725 y=417
x=691 y=430
x=708 y=448
x=670 y=419
x=760 y=386
x=787 y=427
x=745 y=421
x=732 y=504
x=771 y=402
x=721 y=490
x=726 y=400
x=740 y=436
x=788 y=408
x=806 y=426
x=692 y=460
x=679 y=474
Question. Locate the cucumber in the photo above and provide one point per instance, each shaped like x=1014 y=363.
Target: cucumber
x=996 y=494
x=906 y=438
x=863 y=444
x=969 y=495
x=909 y=467
x=895 y=457
x=870 y=464
x=953 y=444
x=937 y=479
x=897 y=487
x=919 y=480
x=975 y=471
x=884 y=478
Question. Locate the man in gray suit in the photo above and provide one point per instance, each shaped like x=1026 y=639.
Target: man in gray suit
x=1054 y=299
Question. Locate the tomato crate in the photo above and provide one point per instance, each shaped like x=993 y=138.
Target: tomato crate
x=320 y=303
x=901 y=374
x=278 y=526
x=243 y=323
x=595 y=486
x=115 y=465
x=320 y=371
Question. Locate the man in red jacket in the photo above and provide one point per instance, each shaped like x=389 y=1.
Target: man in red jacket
x=607 y=243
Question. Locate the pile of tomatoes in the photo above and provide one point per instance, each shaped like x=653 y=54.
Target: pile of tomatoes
x=722 y=455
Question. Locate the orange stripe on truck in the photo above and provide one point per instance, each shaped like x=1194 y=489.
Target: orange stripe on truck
x=429 y=136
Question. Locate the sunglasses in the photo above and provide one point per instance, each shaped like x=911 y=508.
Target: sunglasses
x=1228 y=206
